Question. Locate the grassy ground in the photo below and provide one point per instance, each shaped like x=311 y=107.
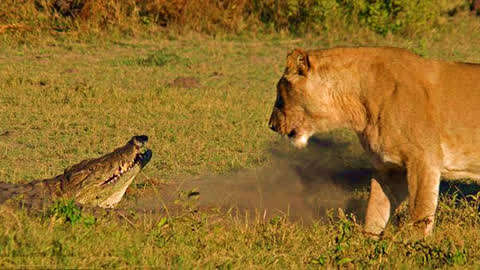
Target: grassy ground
x=62 y=101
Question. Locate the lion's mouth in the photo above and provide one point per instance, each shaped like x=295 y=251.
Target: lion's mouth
x=299 y=139
x=140 y=159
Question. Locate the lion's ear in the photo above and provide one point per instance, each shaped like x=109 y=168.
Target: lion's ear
x=298 y=62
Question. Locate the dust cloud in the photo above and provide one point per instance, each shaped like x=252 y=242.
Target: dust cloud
x=299 y=184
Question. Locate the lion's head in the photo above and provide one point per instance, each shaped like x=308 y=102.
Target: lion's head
x=311 y=97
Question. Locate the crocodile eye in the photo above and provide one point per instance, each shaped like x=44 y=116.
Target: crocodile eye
x=139 y=141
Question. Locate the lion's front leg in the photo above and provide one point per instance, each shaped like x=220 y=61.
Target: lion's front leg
x=423 y=189
x=387 y=191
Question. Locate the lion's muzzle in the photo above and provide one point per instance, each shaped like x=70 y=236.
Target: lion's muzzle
x=275 y=122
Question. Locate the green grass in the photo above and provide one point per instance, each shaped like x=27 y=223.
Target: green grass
x=64 y=101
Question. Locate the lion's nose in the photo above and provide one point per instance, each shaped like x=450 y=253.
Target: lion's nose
x=272 y=127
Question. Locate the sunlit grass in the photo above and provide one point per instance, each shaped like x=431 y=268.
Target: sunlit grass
x=67 y=101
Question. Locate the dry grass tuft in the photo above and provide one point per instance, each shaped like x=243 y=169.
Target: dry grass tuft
x=13 y=27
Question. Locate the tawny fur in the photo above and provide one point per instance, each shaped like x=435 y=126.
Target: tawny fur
x=419 y=119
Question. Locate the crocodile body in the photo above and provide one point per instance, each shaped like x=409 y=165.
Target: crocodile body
x=95 y=182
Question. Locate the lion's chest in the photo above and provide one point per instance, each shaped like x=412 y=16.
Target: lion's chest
x=381 y=155
x=385 y=159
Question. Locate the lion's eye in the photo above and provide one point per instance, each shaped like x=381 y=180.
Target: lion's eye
x=283 y=89
x=279 y=102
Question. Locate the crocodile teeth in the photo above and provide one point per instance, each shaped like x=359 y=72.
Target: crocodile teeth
x=125 y=167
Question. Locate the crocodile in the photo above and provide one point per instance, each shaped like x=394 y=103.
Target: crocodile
x=99 y=182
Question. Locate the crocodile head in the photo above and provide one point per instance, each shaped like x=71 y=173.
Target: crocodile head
x=103 y=181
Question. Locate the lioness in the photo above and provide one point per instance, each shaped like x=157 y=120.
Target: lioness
x=419 y=119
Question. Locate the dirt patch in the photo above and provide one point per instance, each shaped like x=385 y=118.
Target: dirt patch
x=70 y=70
x=185 y=82
x=6 y=133
x=301 y=187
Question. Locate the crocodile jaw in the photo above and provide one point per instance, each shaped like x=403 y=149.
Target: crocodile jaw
x=116 y=197
x=103 y=181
